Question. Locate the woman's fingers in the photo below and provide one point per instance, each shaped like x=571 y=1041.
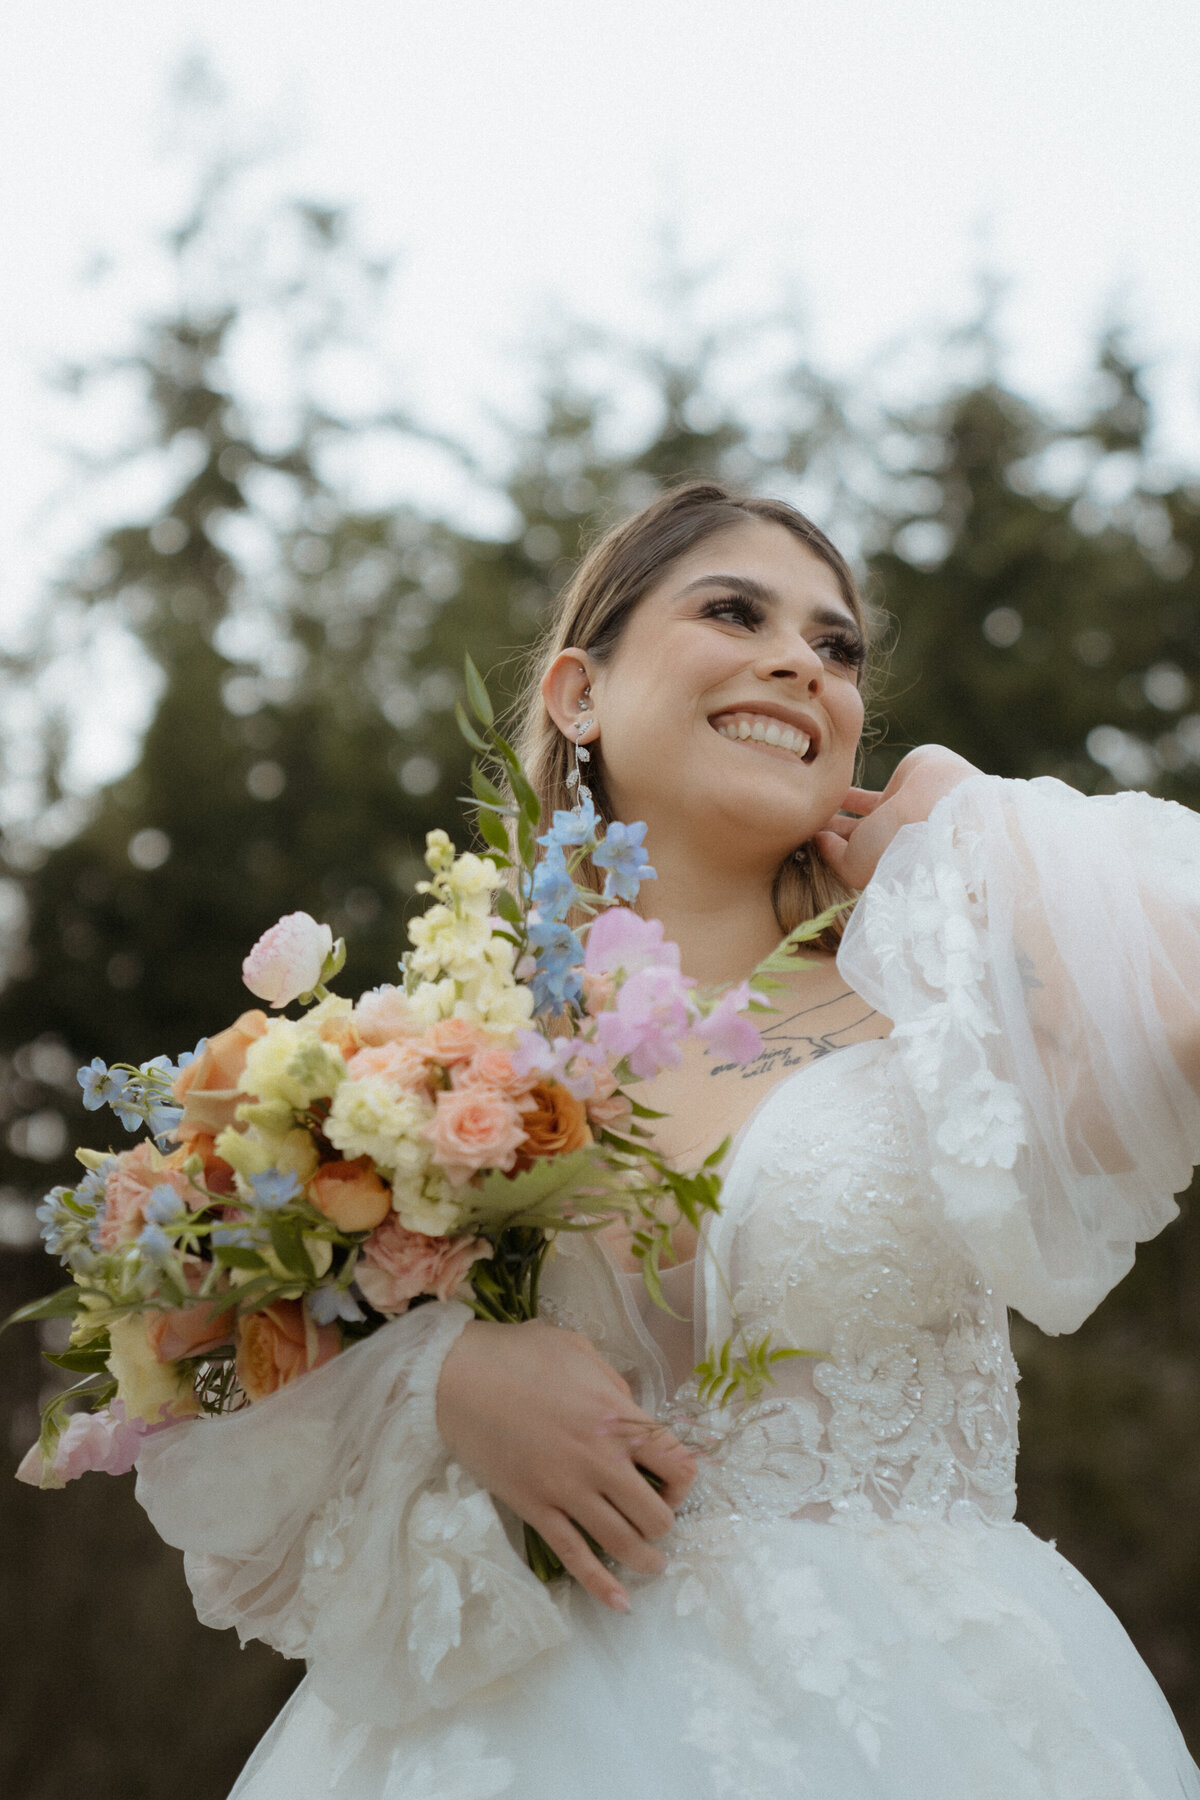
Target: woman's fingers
x=611 y=1529
x=567 y=1543
x=861 y=800
x=655 y=1447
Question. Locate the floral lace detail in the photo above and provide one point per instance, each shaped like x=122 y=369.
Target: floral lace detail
x=909 y=1410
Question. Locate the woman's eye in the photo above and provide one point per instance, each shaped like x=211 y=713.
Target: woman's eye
x=744 y=611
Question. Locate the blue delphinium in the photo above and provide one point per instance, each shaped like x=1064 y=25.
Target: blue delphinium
x=237 y=1237
x=553 y=888
x=273 y=1188
x=101 y=1085
x=571 y=830
x=164 y=1207
x=154 y=1243
x=55 y=1219
x=558 y=952
x=624 y=857
x=330 y=1302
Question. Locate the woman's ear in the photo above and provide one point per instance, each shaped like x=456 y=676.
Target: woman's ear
x=567 y=691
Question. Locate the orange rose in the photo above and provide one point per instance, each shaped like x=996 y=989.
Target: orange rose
x=276 y=1345
x=351 y=1194
x=557 y=1124
x=208 y=1088
x=217 y=1175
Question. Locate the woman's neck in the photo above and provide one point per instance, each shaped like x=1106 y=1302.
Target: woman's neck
x=721 y=918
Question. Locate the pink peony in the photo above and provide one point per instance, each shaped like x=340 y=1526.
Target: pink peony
x=403 y=1064
x=398 y=1264
x=287 y=960
x=474 y=1128
x=104 y=1441
x=725 y=1033
x=129 y=1185
x=649 y=1020
x=618 y=939
x=384 y=1015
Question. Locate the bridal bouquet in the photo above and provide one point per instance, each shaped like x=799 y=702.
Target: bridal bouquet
x=302 y=1180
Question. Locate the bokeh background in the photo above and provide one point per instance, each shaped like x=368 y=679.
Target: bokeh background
x=324 y=345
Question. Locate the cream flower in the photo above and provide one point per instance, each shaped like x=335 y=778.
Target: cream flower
x=145 y=1385
x=290 y=1062
x=372 y=1118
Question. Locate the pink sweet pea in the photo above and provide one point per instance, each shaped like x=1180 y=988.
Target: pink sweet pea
x=618 y=939
x=725 y=1034
x=287 y=960
x=650 y=1018
x=104 y=1441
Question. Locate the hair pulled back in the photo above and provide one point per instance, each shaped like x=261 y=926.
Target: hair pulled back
x=591 y=614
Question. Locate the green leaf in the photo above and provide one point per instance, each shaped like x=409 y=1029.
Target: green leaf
x=485 y=790
x=525 y=842
x=287 y=1240
x=644 y=1112
x=525 y=797
x=62 y=1304
x=710 y=1162
x=232 y=1256
x=468 y=730
x=477 y=694
x=80 y=1362
x=507 y=907
x=537 y=1196
x=492 y=831
x=779 y=962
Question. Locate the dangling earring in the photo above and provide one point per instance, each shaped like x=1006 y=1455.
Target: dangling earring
x=575 y=781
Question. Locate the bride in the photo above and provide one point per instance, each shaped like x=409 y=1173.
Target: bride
x=984 y=1097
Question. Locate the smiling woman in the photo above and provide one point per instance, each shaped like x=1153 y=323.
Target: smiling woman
x=985 y=1099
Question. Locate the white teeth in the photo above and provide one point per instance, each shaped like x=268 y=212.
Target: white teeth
x=767 y=731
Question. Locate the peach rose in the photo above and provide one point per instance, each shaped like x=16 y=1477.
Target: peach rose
x=401 y=1063
x=190 y=1330
x=384 y=1015
x=606 y=1105
x=557 y=1124
x=398 y=1264
x=129 y=1185
x=280 y=1343
x=339 y=1030
x=208 y=1088
x=493 y=1068
x=351 y=1195
x=451 y=1041
x=474 y=1128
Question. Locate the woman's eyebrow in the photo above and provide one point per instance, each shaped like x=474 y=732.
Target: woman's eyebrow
x=757 y=590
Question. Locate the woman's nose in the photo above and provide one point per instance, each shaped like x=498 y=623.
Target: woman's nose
x=796 y=661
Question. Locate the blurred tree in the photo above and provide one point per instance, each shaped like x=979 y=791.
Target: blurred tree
x=306 y=654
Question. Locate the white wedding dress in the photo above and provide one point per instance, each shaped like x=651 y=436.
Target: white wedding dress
x=849 y=1611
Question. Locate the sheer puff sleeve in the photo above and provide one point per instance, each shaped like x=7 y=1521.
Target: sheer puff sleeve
x=329 y=1521
x=1039 y=955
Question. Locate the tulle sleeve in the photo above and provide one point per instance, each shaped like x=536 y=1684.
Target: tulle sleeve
x=1039 y=955
x=329 y=1521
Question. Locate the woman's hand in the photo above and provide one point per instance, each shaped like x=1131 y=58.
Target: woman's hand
x=852 y=847
x=538 y=1417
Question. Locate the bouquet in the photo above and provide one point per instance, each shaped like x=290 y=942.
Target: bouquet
x=303 y=1180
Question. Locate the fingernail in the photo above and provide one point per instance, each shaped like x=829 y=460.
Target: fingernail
x=619 y=1602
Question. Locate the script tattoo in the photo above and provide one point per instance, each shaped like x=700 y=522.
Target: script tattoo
x=793 y=1038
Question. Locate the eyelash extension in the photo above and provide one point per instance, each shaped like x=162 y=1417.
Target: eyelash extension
x=848 y=645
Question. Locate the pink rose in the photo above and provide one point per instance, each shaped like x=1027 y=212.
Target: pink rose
x=398 y=1264
x=472 y=1129
x=383 y=1015
x=403 y=1064
x=129 y=1185
x=103 y=1441
x=287 y=960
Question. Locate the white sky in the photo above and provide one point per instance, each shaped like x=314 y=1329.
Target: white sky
x=874 y=152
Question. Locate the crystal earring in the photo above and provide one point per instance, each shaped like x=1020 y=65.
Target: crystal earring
x=575 y=781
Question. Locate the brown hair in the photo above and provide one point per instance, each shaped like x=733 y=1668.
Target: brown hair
x=592 y=613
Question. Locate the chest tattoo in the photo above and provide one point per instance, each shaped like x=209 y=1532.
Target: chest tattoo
x=801 y=1036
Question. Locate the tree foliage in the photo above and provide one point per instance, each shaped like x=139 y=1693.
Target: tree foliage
x=1041 y=580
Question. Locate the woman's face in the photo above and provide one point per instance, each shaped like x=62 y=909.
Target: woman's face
x=730 y=708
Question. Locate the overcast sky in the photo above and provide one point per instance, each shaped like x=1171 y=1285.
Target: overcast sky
x=872 y=152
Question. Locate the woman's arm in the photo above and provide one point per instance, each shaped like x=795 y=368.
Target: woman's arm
x=537 y=1416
